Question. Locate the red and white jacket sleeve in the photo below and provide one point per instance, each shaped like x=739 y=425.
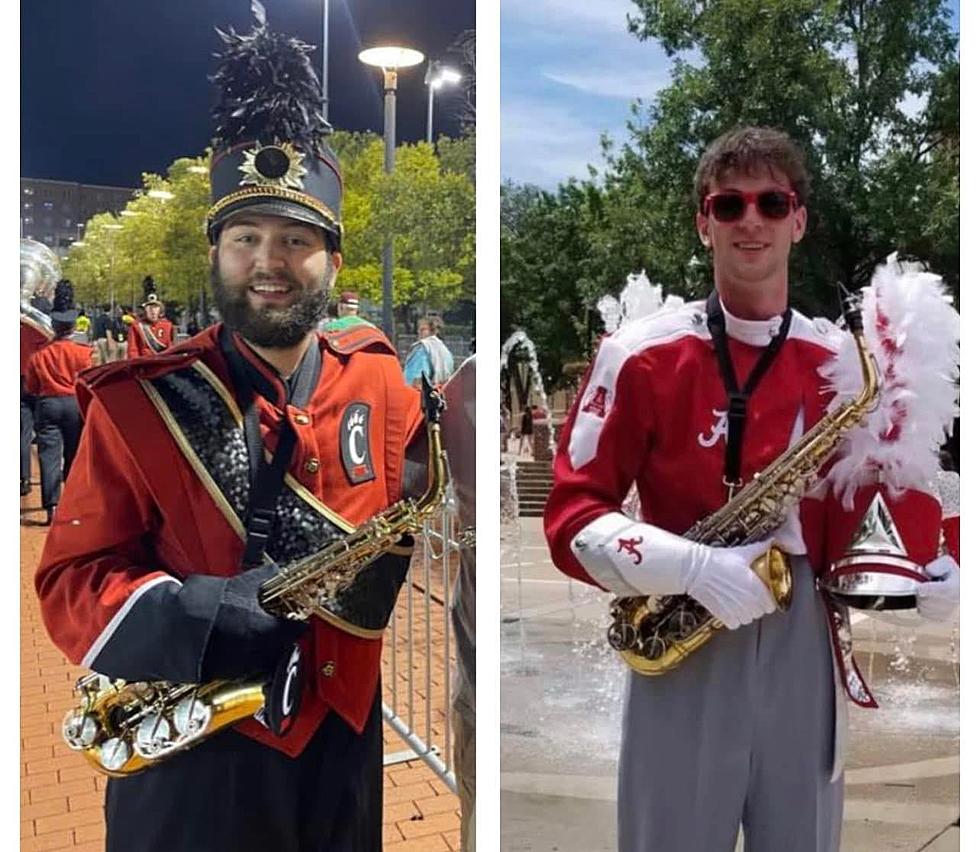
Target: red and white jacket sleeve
x=603 y=445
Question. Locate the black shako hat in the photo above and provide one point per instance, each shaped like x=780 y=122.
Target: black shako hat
x=63 y=309
x=269 y=156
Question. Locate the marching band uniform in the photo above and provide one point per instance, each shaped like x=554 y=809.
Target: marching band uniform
x=50 y=377
x=155 y=581
x=35 y=331
x=750 y=728
x=149 y=338
x=121 y=583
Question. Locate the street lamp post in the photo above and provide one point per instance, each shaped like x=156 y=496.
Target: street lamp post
x=389 y=60
x=436 y=74
x=326 y=47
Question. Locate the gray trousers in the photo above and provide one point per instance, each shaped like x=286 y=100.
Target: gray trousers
x=742 y=733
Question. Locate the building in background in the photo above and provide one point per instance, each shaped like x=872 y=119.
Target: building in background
x=54 y=211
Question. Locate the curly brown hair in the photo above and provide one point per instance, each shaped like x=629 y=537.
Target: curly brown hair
x=749 y=150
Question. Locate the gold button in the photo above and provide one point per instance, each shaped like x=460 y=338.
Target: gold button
x=302 y=419
x=312 y=465
x=328 y=669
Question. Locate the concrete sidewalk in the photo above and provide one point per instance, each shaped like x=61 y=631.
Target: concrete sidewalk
x=560 y=700
x=61 y=796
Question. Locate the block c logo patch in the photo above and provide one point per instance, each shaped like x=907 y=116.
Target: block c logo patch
x=355 y=443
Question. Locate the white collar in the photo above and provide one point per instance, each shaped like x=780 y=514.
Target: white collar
x=752 y=332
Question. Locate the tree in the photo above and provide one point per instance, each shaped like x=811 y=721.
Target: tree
x=427 y=210
x=155 y=236
x=868 y=88
x=839 y=77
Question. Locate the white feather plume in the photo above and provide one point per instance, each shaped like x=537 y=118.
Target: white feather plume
x=913 y=332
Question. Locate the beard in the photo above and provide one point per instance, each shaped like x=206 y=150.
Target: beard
x=271 y=327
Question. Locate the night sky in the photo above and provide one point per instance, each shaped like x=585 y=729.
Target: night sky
x=113 y=88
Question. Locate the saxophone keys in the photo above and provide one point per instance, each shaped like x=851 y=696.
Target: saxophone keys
x=191 y=717
x=153 y=736
x=80 y=730
x=114 y=754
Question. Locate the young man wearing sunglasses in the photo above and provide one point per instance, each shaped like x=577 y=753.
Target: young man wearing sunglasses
x=689 y=404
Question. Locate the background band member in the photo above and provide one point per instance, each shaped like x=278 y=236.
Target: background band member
x=50 y=377
x=249 y=446
x=348 y=304
x=152 y=335
x=743 y=732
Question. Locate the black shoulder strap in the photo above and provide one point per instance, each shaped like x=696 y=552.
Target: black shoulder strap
x=265 y=478
x=738 y=399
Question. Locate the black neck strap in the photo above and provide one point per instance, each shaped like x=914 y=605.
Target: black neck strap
x=265 y=478
x=738 y=398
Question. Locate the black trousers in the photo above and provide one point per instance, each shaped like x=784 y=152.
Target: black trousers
x=27 y=404
x=232 y=794
x=58 y=424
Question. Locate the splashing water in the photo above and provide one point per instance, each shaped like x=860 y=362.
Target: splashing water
x=520 y=338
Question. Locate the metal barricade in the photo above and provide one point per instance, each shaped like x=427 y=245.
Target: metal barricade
x=420 y=650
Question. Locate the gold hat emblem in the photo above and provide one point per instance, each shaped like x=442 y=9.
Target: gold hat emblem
x=278 y=165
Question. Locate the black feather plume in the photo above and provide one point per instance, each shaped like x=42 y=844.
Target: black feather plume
x=149 y=286
x=64 y=296
x=267 y=89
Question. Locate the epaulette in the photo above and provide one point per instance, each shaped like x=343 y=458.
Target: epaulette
x=147 y=367
x=354 y=334
x=672 y=320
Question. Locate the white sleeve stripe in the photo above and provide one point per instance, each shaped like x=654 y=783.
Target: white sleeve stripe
x=583 y=444
x=588 y=548
x=117 y=619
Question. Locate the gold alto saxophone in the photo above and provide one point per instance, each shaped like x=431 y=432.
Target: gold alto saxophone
x=123 y=727
x=656 y=634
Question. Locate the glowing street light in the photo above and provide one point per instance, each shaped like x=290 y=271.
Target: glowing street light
x=389 y=59
x=436 y=76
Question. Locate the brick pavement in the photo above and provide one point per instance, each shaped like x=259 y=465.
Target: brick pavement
x=61 y=797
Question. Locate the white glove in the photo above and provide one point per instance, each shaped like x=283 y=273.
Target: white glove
x=633 y=559
x=938 y=599
x=727 y=587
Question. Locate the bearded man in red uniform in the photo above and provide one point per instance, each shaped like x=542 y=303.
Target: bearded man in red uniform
x=158 y=580
x=152 y=335
x=689 y=403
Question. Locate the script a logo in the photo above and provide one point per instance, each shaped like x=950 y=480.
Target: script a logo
x=719 y=430
x=597 y=402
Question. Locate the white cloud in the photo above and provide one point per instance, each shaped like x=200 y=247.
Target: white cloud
x=544 y=143
x=609 y=15
x=625 y=83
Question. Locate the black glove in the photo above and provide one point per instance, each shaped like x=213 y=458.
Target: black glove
x=244 y=639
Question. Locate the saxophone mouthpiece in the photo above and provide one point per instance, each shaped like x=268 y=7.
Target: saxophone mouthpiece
x=433 y=403
x=851 y=304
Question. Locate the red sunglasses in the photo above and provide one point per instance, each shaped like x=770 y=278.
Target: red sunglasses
x=730 y=206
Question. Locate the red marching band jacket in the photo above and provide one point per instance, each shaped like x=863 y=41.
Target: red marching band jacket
x=652 y=411
x=33 y=336
x=149 y=338
x=138 y=511
x=53 y=369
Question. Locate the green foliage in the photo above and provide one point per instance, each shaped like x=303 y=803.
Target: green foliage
x=837 y=75
x=427 y=204
x=159 y=237
x=429 y=211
